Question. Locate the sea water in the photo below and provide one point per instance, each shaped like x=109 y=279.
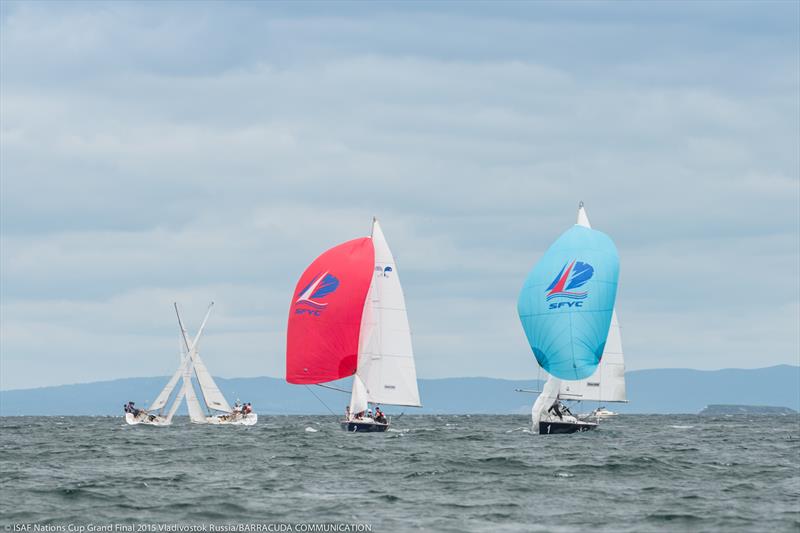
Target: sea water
x=433 y=473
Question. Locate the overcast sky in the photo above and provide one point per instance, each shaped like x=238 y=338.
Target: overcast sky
x=153 y=152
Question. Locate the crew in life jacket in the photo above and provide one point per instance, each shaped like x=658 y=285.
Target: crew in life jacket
x=130 y=408
x=379 y=416
x=554 y=409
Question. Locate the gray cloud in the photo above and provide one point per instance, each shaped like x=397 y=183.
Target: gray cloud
x=154 y=153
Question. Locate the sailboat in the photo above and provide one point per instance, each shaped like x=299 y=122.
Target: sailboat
x=155 y=415
x=212 y=395
x=348 y=318
x=191 y=365
x=566 y=307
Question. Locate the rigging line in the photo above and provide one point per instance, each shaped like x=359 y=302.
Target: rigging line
x=320 y=400
x=332 y=388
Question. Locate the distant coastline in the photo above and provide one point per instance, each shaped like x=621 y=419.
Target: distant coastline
x=659 y=391
x=735 y=409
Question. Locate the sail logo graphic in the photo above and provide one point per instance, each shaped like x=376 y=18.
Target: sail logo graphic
x=383 y=271
x=572 y=276
x=321 y=286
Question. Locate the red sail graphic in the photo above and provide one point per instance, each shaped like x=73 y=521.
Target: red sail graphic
x=325 y=314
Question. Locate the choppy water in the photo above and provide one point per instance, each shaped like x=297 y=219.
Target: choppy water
x=437 y=473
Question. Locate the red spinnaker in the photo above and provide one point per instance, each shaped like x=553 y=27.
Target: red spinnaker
x=325 y=314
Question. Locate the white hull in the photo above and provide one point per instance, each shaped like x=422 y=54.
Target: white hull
x=602 y=413
x=249 y=419
x=148 y=420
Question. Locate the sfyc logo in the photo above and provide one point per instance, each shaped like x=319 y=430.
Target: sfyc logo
x=572 y=276
x=383 y=271
x=307 y=299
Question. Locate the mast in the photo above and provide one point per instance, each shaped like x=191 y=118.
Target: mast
x=211 y=393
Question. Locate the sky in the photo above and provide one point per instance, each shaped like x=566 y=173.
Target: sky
x=190 y=152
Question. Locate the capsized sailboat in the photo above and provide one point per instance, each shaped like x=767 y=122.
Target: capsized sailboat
x=348 y=318
x=566 y=307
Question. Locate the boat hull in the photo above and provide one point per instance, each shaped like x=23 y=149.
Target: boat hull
x=364 y=427
x=223 y=420
x=556 y=428
x=146 y=420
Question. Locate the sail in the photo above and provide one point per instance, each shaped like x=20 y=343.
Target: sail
x=566 y=303
x=386 y=358
x=358 y=398
x=195 y=411
x=211 y=394
x=163 y=396
x=325 y=314
x=176 y=404
x=544 y=401
x=607 y=384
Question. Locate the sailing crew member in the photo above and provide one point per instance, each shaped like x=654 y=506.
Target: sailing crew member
x=347 y=412
x=555 y=410
x=379 y=416
x=130 y=408
x=369 y=413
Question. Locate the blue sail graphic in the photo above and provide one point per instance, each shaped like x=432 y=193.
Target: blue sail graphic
x=567 y=300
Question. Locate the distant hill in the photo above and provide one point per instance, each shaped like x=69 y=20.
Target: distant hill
x=649 y=391
x=732 y=409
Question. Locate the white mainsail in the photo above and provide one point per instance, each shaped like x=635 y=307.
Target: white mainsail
x=607 y=384
x=211 y=393
x=386 y=358
x=175 y=405
x=195 y=411
x=182 y=370
x=163 y=397
x=165 y=393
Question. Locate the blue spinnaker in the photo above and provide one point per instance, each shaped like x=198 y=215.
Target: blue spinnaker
x=567 y=300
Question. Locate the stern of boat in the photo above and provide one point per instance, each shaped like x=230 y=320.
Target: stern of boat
x=358 y=426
